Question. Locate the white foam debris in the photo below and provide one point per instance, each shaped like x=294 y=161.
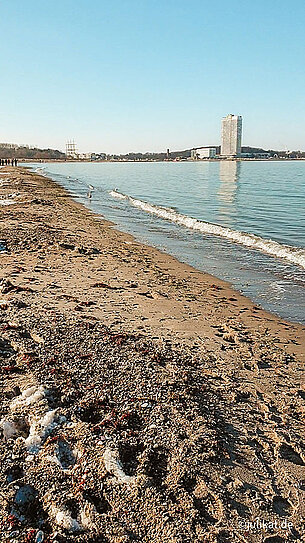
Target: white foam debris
x=11 y=195
x=54 y=460
x=64 y=520
x=39 y=429
x=87 y=517
x=9 y=429
x=47 y=423
x=33 y=443
x=114 y=466
x=28 y=397
x=8 y=199
x=7 y=202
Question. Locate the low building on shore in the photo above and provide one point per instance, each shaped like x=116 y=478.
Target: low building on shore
x=201 y=153
x=259 y=155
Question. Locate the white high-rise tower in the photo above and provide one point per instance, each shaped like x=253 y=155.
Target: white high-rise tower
x=231 y=130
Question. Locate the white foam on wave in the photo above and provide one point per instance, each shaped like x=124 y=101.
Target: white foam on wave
x=294 y=255
x=41 y=170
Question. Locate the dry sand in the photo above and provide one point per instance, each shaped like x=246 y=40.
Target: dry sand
x=142 y=400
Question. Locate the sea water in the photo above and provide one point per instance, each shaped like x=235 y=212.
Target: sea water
x=243 y=222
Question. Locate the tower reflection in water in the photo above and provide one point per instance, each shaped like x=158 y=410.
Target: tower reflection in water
x=229 y=175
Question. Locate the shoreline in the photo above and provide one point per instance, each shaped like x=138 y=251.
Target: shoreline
x=85 y=161
x=199 y=278
x=197 y=344
x=253 y=281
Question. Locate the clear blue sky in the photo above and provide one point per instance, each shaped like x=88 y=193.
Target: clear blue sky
x=132 y=75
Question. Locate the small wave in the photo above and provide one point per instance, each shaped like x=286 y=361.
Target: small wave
x=41 y=170
x=294 y=255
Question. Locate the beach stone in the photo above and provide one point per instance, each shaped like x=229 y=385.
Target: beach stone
x=25 y=499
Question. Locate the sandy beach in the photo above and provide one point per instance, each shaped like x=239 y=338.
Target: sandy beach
x=142 y=400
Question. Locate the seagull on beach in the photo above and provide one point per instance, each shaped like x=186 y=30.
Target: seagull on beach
x=89 y=193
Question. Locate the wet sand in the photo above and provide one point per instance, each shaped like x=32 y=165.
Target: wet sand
x=162 y=405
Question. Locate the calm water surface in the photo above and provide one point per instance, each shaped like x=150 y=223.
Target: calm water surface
x=241 y=221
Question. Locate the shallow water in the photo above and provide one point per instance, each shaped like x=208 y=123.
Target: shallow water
x=243 y=222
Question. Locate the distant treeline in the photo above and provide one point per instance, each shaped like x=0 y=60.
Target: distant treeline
x=151 y=156
x=33 y=153
x=30 y=153
x=281 y=154
x=187 y=154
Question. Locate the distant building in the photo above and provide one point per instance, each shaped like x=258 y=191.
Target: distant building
x=71 y=151
x=73 y=154
x=231 y=131
x=84 y=156
x=261 y=155
x=203 y=152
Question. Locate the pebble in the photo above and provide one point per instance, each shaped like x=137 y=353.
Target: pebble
x=13 y=534
x=29 y=458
